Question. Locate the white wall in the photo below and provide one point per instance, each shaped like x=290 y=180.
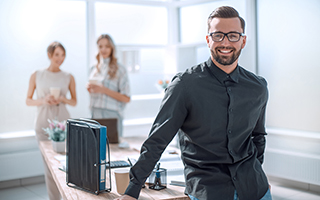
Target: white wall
x=288 y=54
x=288 y=58
x=19 y=156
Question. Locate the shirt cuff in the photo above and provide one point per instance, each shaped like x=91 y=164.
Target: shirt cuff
x=133 y=190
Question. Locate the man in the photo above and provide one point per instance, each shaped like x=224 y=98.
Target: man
x=218 y=108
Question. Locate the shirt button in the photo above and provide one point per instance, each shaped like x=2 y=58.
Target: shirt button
x=231 y=152
x=234 y=178
x=229 y=131
x=229 y=89
x=230 y=109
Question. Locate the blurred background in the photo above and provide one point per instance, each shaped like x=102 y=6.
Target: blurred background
x=155 y=40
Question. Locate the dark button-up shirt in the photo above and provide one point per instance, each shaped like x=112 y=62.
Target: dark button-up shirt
x=221 y=123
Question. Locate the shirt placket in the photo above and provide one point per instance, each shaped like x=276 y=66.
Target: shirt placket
x=230 y=131
x=228 y=84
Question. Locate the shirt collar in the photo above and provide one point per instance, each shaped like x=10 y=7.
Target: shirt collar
x=106 y=60
x=221 y=75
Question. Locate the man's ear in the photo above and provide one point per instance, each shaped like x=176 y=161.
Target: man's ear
x=207 y=39
x=244 y=41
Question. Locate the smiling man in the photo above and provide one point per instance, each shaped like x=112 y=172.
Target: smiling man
x=226 y=40
x=218 y=108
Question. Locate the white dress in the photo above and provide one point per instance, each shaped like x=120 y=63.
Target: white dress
x=44 y=80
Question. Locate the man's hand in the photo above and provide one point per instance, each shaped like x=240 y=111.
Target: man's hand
x=125 y=197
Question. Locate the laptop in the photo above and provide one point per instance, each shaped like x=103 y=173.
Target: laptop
x=112 y=130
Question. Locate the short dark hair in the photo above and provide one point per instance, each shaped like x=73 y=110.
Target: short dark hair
x=225 y=12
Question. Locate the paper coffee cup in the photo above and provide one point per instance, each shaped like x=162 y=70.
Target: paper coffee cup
x=55 y=92
x=94 y=81
x=122 y=179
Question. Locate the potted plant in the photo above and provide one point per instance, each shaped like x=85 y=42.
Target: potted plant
x=57 y=135
x=162 y=85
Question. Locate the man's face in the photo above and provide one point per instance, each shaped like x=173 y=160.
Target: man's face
x=225 y=52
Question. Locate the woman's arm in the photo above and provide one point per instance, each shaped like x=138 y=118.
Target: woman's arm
x=116 y=95
x=48 y=100
x=92 y=88
x=72 y=88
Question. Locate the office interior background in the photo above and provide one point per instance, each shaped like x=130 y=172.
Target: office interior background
x=156 y=39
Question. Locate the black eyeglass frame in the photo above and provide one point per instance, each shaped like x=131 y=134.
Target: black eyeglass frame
x=226 y=34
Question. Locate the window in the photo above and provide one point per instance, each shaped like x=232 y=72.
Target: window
x=132 y=24
x=28 y=27
x=193 y=19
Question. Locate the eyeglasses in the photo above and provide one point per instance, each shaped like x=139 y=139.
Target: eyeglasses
x=232 y=36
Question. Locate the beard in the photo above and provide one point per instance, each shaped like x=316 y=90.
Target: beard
x=225 y=60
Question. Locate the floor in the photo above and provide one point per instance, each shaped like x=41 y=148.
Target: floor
x=29 y=192
x=280 y=191
x=39 y=192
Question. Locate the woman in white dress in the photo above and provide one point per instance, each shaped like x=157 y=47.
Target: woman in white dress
x=49 y=107
x=108 y=84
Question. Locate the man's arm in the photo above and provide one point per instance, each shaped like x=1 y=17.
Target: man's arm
x=258 y=135
x=167 y=123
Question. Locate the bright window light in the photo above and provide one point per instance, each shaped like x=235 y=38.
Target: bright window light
x=132 y=24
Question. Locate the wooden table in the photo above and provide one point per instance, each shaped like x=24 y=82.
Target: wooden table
x=69 y=193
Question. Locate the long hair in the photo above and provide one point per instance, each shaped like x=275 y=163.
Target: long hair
x=113 y=66
x=225 y=12
x=53 y=47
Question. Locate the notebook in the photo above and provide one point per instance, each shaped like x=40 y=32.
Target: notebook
x=112 y=130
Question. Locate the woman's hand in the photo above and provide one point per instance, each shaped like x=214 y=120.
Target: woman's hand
x=50 y=100
x=93 y=88
x=125 y=197
x=62 y=99
x=88 y=87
